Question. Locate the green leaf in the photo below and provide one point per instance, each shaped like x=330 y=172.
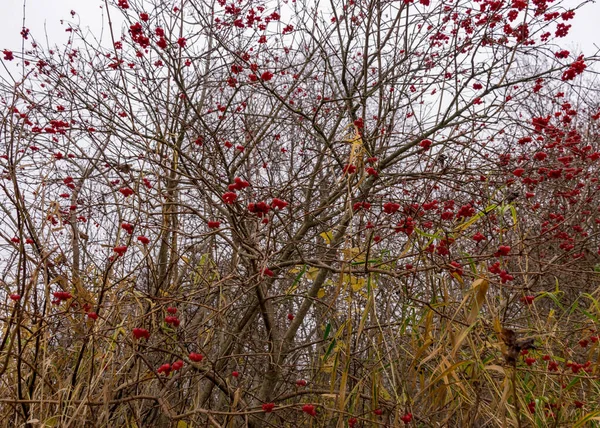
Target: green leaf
x=573 y=382
x=297 y=279
x=589 y=315
x=427 y=235
x=300 y=275
x=329 y=349
x=513 y=211
x=593 y=416
x=327 y=331
x=552 y=296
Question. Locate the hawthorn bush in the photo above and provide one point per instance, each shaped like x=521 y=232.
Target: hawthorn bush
x=361 y=213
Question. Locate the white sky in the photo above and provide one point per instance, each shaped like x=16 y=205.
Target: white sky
x=43 y=16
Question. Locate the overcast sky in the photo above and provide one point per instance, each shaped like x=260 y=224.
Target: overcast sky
x=44 y=16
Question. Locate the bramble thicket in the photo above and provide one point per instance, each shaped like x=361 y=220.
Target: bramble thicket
x=344 y=214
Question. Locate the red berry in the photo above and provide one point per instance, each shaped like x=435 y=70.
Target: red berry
x=390 y=207
x=378 y=412
x=172 y=310
x=127 y=227
x=268 y=407
x=92 y=315
x=528 y=300
x=529 y=361
x=300 y=382
x=229 y=197
x=15 y=297
x=407 y=418
x=196 y=357
x=372 y=171
x=165 y=368
x=235 y=374
x=173 y=320
x=177 y=365
x=62 y=295
x=425 y=144
x=290 y=317
x=126 y=191
x=478 y=237
x=266 y=76
x=349 y=169
x=138 y=333
x=503 y=250
x=278 y=203
x=309 y=409
x=120 y=250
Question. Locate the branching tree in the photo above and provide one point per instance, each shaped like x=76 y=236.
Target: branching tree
x=337 y=214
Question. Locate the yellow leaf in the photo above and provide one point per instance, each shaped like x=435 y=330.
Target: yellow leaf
x=182 y=424
x=327 y=237
x=495 y=367
x=320 y=293
x=353 y=254
x=327 y=366
x=461 y=227
x=457 y=277
x=296 y=269
x=357 y=283
x=384 y=393
x=52 y=422
x=480 y=286
x=312 y=273
x=292 y=289
x=497 y=325
x=330 y=396
x=461 y=338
